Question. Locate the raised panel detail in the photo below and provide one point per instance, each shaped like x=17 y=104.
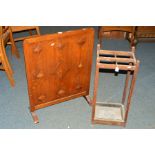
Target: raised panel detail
x=58 y=66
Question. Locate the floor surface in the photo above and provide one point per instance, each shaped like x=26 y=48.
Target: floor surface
x=76 y=114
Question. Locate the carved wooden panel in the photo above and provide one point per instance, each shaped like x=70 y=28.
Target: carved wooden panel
x=58 y=66
x=145 y=31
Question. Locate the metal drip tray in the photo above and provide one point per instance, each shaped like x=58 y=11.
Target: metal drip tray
x=109 y=112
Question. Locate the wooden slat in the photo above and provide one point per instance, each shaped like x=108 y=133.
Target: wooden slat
x=22 y=38
x=22 y=28
x=119 y=53
x=117 y=28
x=113 y=66
x=123 y=60
x=5 y=37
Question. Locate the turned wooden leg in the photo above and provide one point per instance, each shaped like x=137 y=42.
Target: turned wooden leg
x=5 y=59
x=9 y=75
x=131 y=39
x=2 y=49
x=15 y=50
x=135 y=41
x=13 y=46
x=88 y=99
x=35 y=117
x=6 y=66
x=37 y=30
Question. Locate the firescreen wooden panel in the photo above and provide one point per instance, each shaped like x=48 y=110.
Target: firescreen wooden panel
x=58 y=66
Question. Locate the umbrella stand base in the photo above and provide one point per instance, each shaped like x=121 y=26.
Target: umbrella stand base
x=109 y=113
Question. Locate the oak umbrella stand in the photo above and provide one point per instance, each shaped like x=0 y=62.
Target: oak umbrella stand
x=114 y=113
